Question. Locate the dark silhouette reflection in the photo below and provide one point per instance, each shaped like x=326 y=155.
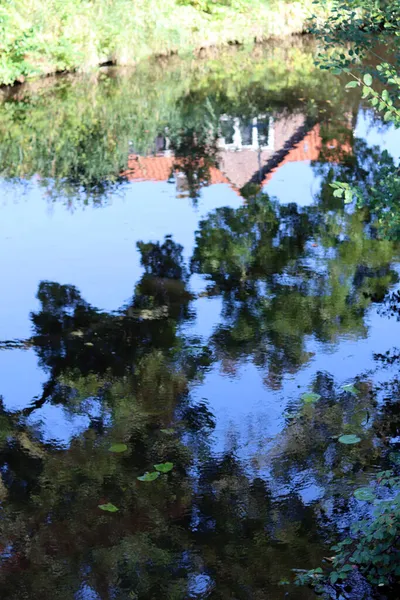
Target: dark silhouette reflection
x=285 y=273
x=70 y=334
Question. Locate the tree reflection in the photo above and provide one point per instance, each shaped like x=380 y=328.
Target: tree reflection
x=216 y=525
x=286 y=273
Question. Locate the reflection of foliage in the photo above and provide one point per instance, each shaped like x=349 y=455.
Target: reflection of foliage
x=96 y=122
x=195 y=153
x=278 y=289
x=366 y=561
x=130 y=372
x=208 y=525
x=359 y=41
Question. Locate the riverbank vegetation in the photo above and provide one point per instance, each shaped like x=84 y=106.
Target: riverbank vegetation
x=38 y=38
x=87 y=146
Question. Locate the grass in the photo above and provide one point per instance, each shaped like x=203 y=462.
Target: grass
x=38 y=38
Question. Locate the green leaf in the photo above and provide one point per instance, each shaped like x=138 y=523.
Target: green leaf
x=346 y=568
x=367 y=79
x=164 y=467
x=366 y=91
x=349 y=439
x=365 y=494
x=108 y=507
x=388 y=115
x=350 y=389
x=334 y=577
x=352 y=84
x=338 y=193
x=149 y=476
x=118 y=448
x=310 y=397
x=395 y=458
x=348 y=196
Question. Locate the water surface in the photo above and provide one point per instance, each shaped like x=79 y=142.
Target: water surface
x=176 y=275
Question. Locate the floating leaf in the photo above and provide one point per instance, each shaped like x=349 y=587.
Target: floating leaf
x=118 y=448
x=310 y=397
x=350 y=389
x=164 y=467
x=149 y=476
x=349 y=439
x=365 y=494
x=109 y=507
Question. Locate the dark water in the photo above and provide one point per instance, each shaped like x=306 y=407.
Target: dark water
x=176 y=273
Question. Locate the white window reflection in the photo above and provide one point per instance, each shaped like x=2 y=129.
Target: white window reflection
x=239 y=133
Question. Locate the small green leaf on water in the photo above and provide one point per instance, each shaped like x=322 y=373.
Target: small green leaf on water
x=365 y=494
x=164 y=467
x=349 y=439
x=118 y=448
x=149 y=476
x=310 y=397
x=350 y=389
x=108 y=507
x=367 y=79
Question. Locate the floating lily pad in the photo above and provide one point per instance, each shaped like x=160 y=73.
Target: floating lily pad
x=351 y=389
x=365 y=494
x=149 y=476
x=109 y=507
x=164 y=467
x=310 y=397
x=349 y=439
x=118 y=448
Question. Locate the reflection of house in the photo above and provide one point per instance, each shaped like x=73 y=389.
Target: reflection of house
x=238 y=133
x=240 y=164
x=161 y=168
x=249 y=151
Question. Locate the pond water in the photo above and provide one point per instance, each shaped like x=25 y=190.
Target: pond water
x=178 y=279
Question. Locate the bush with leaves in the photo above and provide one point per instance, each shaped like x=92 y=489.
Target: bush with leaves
x=361 y=41
x=372 y=547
